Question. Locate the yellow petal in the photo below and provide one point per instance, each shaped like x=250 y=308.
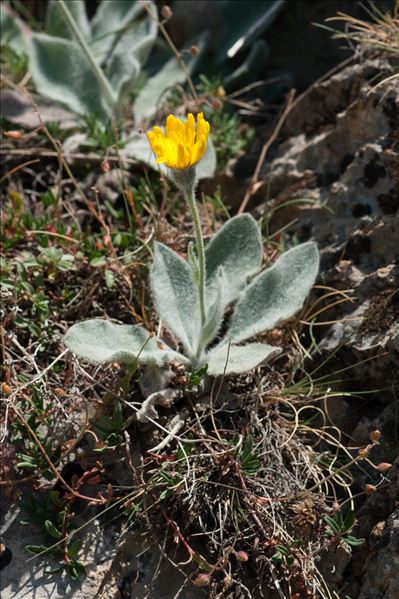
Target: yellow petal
x=183 y=144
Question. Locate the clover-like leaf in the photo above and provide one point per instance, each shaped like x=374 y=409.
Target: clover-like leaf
x=176 y=296
x=276 y=294
x=234 y=359
x=101 y=341
x=237 y=247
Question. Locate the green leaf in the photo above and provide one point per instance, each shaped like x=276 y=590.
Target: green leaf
x=52 y=529
x=102 y=341
x=176 y=296
x=349 y=520
x=75 y=568
x=118 y=420
x=61 y=72
x=353 y=541
x=276 y=294
x=55 y=570
x=55 y=21
x=332 y=524
x=251 y=464
x=139 y=38
x=74 y=547
x=109 y=278
x=13 y=30
x=98 y=261
x=238 y=358
x=109 y=24
x=35 y=549
x=237 y=247
x=123 y=68
x=55 y=498
x=26 y=465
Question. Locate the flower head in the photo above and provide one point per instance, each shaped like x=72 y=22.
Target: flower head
x=182 y=145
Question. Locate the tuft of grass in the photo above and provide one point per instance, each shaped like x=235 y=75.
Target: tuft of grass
x=380 y=33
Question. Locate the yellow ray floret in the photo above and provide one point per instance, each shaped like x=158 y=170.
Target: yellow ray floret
x=182 y=144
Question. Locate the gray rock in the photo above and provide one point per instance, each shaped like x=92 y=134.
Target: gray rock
x=341 y=152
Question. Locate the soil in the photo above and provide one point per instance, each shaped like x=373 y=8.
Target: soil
x=271 y=456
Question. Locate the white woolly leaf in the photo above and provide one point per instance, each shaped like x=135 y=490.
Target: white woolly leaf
x=111 y=22
x=99 y=340
x=13 y=31
x=61 y=72
x=55 y=20
x=215 y=311
x=176 y=295
x=276 y=294
x=123 y=68
x=238 y=358
x=237 y=247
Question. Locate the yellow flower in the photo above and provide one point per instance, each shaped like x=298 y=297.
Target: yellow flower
x=181 y=146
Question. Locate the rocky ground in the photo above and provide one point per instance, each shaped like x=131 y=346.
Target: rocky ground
x=337 y=157
x=342 y=152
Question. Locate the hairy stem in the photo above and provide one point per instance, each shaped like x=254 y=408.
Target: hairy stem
x=190 y=197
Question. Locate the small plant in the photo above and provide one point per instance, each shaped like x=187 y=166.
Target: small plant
x=227 y=143
x=56 y=520
x=110 y=429
x=191 y=296
x=100 y=135
x=284 y=555
x=339 y=528
x=40 y=420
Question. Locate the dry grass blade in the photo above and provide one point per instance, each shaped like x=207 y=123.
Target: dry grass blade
x=381 y=33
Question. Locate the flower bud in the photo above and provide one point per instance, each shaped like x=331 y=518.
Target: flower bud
x=217 y=104
x=227 y=582
x=383 y=467
x=220 y=92
x=242 y=556
x=105 y=166
x=370 y=489
x=14 y=134
x=202 y=580
x=166 y=12
x=375 y=436
x=364 y=451
x=194 y=50
x=6 y=389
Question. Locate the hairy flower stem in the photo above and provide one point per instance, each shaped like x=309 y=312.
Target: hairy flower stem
x=199 y=239
x=186 y=181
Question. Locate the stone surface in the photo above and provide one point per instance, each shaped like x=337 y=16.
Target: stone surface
x=341 y=152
